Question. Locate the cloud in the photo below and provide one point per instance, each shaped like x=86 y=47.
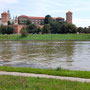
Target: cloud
x=8 y=1
x=4 y=3
x=81 y=22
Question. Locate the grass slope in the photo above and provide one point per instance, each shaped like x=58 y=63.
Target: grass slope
x=30 y=83
x=47 y=37
x=58 y=72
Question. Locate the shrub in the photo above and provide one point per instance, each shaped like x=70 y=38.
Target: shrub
x=24 y=32
x=46 y=29
x=7 y=30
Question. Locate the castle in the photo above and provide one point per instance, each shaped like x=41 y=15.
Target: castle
x=20 y=21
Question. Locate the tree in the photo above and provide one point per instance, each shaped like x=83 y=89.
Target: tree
x=80 y=30
x=68 y=28
x=32 y=28
x=19 y=21
x=7 y=30
x=10 y=30
x=48 y=19
x=28 y=22
x=23 y=32
x=46 y=29
x=38 y=30
x=56 y=27
x=9 y=23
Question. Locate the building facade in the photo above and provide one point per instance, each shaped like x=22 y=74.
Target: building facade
x=36 y=20
x=5 y=18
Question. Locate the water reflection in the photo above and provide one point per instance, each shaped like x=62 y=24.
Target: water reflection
x=46 y=54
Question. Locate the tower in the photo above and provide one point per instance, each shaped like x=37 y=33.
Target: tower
x=16 y=20
x=5 y=18
x=69 y=17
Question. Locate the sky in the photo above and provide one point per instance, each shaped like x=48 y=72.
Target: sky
x=55 y=8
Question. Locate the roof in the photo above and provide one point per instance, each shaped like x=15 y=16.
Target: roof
x=69 y=12
x=40 y=26
x=60 y=18
x=23 y=16
x=31 y=17
x=37 y=17
x=5 y=12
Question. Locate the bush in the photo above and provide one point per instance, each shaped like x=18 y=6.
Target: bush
x=32 y=28
x=7 y=30
x=46 y=29
x=24 y=32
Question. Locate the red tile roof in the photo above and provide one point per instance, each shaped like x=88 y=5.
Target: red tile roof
x=5 y=12
x=37 y=17
x=69 y=12
x=54 y=18
x=23 y=16
x=40 y=26
x=59 y=17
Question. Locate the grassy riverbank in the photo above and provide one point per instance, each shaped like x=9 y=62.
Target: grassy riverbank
x=47 y=37
x=30 y=83
x=57 y=72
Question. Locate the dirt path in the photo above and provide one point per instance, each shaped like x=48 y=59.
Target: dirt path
x=44 y=76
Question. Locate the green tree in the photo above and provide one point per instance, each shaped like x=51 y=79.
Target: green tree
x=38 y=30
x=56 y=27
x=80 y=30
x=46 y=29
x=7 y=30
x=4 y=29
x=24 y=32
x=28 y=22
x=48 y=19
x=10 y=30
x=32 y=28
x=9 y=23
x=68 y=28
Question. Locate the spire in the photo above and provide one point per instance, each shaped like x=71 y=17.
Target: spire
x=8 y=11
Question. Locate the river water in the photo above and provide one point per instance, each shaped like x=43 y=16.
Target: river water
x=73 y=55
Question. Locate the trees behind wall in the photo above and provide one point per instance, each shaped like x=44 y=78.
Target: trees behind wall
x=48 y=19
x=6 y=30
x=46 y=29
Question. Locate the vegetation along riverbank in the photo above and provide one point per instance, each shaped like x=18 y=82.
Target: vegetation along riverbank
x=47 y=37
x=56 y=72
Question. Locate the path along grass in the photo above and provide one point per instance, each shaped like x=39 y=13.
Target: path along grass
x=57 y=72
x=47 y=37
x=30 y=83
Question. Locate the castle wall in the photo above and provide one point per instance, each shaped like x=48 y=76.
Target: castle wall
x=17 y=28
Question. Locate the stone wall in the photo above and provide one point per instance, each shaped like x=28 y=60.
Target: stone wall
x=17 y=28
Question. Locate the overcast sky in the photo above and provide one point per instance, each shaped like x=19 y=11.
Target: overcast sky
x=56 y=8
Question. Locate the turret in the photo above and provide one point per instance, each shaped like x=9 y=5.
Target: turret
x=69 y=17
x=16 y=20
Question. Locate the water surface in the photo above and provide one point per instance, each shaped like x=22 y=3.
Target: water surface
x=73 y=55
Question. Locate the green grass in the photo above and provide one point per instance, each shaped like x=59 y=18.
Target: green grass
x=30 y=83
x=58 y=72
x=47 y=37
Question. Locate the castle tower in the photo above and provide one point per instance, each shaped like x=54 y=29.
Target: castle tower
x=69 y=17
x=16 y=20
x=5 y=17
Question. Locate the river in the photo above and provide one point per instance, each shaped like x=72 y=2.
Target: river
x=73 y=55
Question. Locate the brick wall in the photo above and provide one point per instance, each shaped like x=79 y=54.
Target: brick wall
x=17 y=28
